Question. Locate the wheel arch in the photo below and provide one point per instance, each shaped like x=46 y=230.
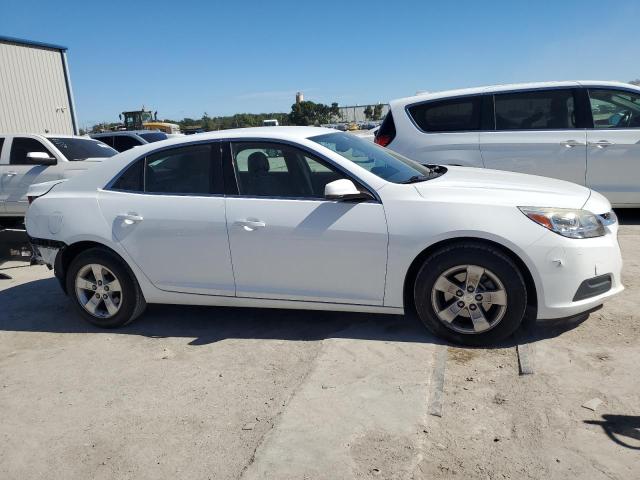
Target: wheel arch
x=412 y=272
x=66 y=256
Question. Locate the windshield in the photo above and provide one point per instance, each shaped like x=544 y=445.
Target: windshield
x=384 y=163
x=153 y=136
x=76 y=149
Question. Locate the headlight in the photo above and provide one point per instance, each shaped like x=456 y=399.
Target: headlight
x=566 y=222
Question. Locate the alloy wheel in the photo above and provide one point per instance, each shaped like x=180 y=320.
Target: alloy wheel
x=469 y=299
x=98 y=290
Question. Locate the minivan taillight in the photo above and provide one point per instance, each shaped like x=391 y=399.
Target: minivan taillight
x=387 y=131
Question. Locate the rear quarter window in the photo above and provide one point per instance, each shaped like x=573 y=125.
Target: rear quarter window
x=448 y=115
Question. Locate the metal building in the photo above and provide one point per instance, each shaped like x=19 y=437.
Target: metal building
x=35 y=88
x=355 y=113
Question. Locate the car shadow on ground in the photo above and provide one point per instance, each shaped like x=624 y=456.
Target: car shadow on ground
x=40 y=306
x=620 y=429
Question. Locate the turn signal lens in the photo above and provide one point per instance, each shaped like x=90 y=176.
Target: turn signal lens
x=566 y=222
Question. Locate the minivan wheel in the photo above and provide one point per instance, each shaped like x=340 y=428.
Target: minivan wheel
x=102 y=289
x=470 y=293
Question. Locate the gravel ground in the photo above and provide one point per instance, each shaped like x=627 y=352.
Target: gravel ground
x=201 y=393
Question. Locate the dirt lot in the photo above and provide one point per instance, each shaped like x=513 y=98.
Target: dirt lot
x=218 y=393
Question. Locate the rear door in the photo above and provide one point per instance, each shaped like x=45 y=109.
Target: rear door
x=21 y=172
x=537 y=132
x=613 y=152
x=167 y=210
x=288 y=242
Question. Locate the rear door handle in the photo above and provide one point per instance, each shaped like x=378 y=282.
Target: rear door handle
x=250 y=225
x=601 y=143
x=571 y=143
x=131 y=218
x=10 y=174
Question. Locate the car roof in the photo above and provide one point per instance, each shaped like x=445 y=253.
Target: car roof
x=507 y=87
x=106 y=170
x=124 y=132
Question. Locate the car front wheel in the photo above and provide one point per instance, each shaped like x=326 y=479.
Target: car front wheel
x=102 y=289
x=471 y=294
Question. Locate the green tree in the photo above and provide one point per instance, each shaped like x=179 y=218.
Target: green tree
x=310 y=113
x=368 y=112
x=377 y=111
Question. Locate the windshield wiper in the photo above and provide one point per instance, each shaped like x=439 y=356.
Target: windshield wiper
x=416 y=179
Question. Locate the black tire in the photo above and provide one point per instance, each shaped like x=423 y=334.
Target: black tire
x=133 y=303
x=487 y=257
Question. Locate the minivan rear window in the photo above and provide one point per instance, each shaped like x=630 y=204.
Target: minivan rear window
x=450 y=115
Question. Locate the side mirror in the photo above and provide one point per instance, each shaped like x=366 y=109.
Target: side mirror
x=344 y=189
x=41 y=158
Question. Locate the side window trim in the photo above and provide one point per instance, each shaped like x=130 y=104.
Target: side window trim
x=216 y=160
x=584 y=117
x=233 y=190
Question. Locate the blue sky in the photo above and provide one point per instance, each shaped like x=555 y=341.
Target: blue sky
x=184 y=58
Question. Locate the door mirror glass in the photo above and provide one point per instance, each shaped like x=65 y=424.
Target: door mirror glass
x=344 y=189
x=41 y=158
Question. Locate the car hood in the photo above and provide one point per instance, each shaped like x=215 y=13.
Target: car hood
x=497 y=187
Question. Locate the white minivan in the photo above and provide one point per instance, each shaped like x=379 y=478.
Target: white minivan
x=586 y=132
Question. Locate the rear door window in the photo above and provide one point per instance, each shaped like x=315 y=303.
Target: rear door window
x=190 y=170
x=535 y=110
x=21 y=146
x=450 y=115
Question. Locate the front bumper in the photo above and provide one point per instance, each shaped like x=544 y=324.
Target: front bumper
x=576 y=275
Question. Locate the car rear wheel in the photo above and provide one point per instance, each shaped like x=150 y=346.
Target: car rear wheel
x=471 y=294
x=103 y=290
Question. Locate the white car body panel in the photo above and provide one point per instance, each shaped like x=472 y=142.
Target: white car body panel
x=536 y=154
x=614 y=170
x=347 y=243
x=195 y=226
x=567 y=154
x=322 y=254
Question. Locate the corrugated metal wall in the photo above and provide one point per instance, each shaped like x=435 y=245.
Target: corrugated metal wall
x=33 y=91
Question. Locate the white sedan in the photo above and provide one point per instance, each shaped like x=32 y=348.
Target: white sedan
x=312 y=218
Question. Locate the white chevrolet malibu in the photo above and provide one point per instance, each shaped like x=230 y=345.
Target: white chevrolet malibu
x=312 y=218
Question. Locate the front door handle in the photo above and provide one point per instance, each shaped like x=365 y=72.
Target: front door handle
x=601 y=143
x=571 y=143
x=131 y=218
x=250 y=225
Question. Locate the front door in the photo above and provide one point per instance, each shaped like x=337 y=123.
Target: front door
x=613 y=152
x=536 y=133
x=288 y=242
x=21 y=172
x=168 y=212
